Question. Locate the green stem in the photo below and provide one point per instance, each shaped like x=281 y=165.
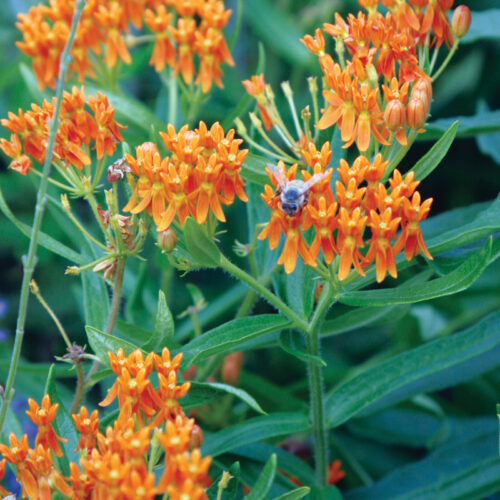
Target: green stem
x=446 y=61
x=172 y=100
x=194 y=105
x=316 y=389
x=41 y=200
x=398 y=157
x=196 y=323
x=262 y=290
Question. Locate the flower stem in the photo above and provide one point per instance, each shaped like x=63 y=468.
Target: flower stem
x=262 y=290
x=29 y=262
x=316 y=385
x=446 y=61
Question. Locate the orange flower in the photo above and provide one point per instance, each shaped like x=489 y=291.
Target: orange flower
x=139 y=487
x=335 y=472
x=48 y=478
x=383 y=229
x=163 y=50
x=87 y=427
x=324 y=220
x=43 y=416
x=20 y=163
x=3 y=491
x=164 y=363
x=256 y=87
x=411 y=236
x=184 y=36
x=349 y=240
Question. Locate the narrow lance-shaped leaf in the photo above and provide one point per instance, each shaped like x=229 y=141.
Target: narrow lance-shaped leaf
x=456 y=281
x=296 y=494
x=232 y=334
x=164 y=326
x=253 y=430
x=203 y=393
x=199 y=245
x=441 y=363
x=433 y=157
x=263 y=484
x=102 y=342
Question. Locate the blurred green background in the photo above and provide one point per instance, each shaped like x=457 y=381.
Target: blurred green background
x=469 y=174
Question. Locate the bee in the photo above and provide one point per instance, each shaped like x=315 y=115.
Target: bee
x=293 y=195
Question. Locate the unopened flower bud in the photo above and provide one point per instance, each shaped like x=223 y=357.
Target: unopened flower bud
x=240 y=127
x=422 y=89
x=416 y=113
x=287 y=90
x=189 y=373
x=196 y=437
x=394 y=115
x=460 y=21
x=257 y=123
x=167 y=240
x=74 y=270
x=231 y=368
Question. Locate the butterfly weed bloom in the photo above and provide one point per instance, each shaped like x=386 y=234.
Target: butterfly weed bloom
x=200 y=174
x=341 y=218
x=187 y=34
x=86 y=124
x=118 y=463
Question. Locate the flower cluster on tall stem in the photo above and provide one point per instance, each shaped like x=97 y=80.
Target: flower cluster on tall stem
x=114 y=464
x=86 y=123
x=341 y=218
x=201 y=174
x=183 y=30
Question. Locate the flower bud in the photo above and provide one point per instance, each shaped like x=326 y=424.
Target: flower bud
x=460 y=21
x=394 y=115
x=189 y=373
x=422 y=89
x=416 y=113
x=231 y=368
x=167 y=240
x=196 y=437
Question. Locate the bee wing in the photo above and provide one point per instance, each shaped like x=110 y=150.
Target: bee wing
x=312 y=181
x=278 y=175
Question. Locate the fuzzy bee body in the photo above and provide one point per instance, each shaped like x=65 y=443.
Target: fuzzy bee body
x=293 y=195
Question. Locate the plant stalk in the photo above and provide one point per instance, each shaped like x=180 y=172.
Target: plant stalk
x=29 y=262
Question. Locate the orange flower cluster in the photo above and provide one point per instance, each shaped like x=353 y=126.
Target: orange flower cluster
x=202 y=172
x=104 y=28
x=381 y=48
x=114 y=464
x=361 y=201
x=79 y=130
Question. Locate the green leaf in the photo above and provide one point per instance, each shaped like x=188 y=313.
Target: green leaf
x=273 y=26
x=296 y=494
x=361 y=317
x=11 y=424
x=128 y=109
x=63 y=424
x=456 y=281
x=31 y=82
x=437 y=364
x=230 y=335
x=253 y=169
x=483 y=26
x=468 y=126
x=433 y=157
x=488 y=144
x=293 y=343
x=164 y=326
x=203 y=393
x=300 y=286
x=136 y=333
x=246 y=101
x=253 y=430
x=229 y=493
x=327 y=493
x=102 y=342
x=467 y=224
x=95 y=300
x=44 y=239
x=199 y=245
x=263 y=484
x=465 y=467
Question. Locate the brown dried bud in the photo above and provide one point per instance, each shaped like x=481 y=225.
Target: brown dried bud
x=196 y=437
x=117 y=170
x=460 y=21
x=167 y=240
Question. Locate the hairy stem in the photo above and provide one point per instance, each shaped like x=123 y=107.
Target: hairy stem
x=316 y=390
x=29 y=262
